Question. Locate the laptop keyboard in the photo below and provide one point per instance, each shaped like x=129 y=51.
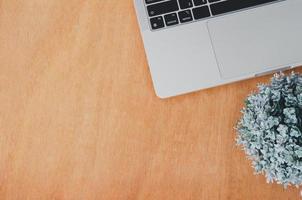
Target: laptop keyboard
x=166 y=13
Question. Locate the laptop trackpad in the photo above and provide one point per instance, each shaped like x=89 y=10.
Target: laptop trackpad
x=257 y=40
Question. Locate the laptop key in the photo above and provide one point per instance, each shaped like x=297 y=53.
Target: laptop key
x=233 y=5
x=152 y=1
x=157 y=22
x=185 y=4
x=171 y=19
x=185 y=16
x=162 y=8
x=200 y=2
x=201 y=12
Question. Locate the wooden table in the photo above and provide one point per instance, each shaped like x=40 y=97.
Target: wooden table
x=79 y=118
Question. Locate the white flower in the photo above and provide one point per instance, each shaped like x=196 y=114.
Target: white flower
x=270 y=129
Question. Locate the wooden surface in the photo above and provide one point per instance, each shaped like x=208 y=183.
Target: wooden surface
x=79 y=118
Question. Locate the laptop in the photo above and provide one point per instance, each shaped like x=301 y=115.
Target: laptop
x=197 y=44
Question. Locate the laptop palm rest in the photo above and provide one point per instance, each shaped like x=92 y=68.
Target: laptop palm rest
x=258 y=40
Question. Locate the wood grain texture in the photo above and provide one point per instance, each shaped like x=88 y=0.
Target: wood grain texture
x=79 y=118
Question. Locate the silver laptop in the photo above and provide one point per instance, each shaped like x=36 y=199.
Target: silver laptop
x=197 y=44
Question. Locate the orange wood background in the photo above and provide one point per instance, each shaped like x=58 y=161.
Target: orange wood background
x=79 y=118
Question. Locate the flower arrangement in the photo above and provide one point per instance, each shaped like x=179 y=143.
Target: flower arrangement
x=270 y=130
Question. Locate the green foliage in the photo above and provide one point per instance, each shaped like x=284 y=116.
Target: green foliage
x=270 y=129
